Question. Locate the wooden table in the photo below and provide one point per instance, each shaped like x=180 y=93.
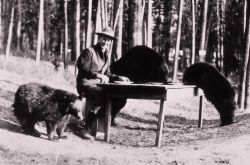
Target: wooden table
x=149 y=92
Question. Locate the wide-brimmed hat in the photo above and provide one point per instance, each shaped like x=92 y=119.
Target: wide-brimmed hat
x=107 y=32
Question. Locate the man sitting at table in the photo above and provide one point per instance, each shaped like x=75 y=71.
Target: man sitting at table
x=93 y=68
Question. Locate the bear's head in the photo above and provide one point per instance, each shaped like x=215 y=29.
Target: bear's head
x=76 y=109
x=195 y=74
x=69 y=103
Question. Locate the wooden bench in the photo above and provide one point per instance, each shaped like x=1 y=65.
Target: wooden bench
x=149 y=92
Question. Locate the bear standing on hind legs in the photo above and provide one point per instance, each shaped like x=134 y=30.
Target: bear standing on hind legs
x=216 y=87
x=35 y=102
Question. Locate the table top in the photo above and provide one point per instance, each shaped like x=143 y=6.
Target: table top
x=147 y=90
x=147 y=85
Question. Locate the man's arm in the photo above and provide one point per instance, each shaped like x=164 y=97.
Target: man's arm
x=83 y=65
x=114 y=77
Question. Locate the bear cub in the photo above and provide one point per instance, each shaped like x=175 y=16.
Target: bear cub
x=35 y=102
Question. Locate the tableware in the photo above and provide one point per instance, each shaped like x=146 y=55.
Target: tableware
x=123 y=82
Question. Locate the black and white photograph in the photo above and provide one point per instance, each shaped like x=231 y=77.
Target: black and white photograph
x=124 y=82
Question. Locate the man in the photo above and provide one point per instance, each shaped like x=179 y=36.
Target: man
x=93 y=68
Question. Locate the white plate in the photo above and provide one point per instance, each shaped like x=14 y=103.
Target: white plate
x=155 y=83
x=123 y=82
x=175 y=83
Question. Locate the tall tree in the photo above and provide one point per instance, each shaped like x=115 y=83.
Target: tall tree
x=88 y=24
x=178 y=38
x=244 y=81
x=77 y=28
x=168 y=8
x=193 y=6
x=104 y=13
x=136 y=21
x=66 y=35
x=233 y=35
x=118 y=22
x=149 y=24
x=1 y=25
x=40 y=31
x=19 y=25
x=244 y=19
x=221 y=29
x=219 y=35
x=7 y=53
x=203 y=31
x=98 y=22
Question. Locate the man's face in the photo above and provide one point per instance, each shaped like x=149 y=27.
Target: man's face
x=104 y=43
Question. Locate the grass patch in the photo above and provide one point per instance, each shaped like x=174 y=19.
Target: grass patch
x=44 y=70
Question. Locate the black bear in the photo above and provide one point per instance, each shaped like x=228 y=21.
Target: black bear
x=36 y=102
x=216 y=87
x=142 y=64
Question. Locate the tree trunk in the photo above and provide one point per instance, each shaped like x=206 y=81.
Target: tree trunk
x=247 y=92
x=244 y=19
x=136 y=20
x=202 y=52
x=46 y=35
x=77 y=30
x=7 y=53
x=209 y=24
x=66 y=35
x=98 y=23
x=168 y=7
x=1 y=26
x=1 y=13
x=245 y=67
x=178 y=38
x=149 y=24
x=103 y=8
x=222 y=31
x=117 y=48
x=88 y=24
x=247 y=34
x=193 y=5
x=19 y=26
x=40 y=31
x=218 y=33
x=110 y=12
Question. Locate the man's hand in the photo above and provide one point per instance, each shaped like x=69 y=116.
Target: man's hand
x=122 y=78
x=103 y=78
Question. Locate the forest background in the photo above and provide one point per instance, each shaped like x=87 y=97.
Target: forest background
x=183 y=31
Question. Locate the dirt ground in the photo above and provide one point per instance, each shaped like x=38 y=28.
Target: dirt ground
x=132 y=140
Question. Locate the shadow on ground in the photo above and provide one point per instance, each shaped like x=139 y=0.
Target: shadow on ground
x=10 y=126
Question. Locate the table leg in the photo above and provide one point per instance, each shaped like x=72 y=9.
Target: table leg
x=107 y=119
x=160 y=124
x=200 y=112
